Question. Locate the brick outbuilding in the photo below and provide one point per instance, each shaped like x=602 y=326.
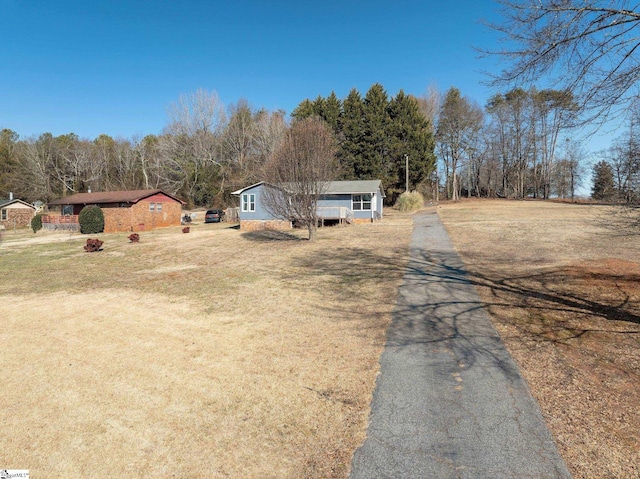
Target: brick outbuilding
x=15 y=213
x=124 y=211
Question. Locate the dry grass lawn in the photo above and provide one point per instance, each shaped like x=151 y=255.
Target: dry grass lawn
x=211 y=354
x=221 y=354
x=563 y=289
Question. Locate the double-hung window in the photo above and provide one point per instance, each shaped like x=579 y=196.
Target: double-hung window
x=248 y=202
x=3 y=214
x=361 y=202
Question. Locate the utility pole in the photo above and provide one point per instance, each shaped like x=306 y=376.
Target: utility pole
x=406 y=159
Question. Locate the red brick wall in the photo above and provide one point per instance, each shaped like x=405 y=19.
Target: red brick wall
x=20 y=217
x=139 y=217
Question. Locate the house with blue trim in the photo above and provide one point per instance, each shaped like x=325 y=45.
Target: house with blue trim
x=348 y=202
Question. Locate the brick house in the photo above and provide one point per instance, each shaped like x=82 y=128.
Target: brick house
x=15 y=213
x=124 y=211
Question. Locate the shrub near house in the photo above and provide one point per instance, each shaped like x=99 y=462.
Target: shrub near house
x=91 y=220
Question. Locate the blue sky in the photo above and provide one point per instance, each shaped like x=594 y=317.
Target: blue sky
x=113 y=67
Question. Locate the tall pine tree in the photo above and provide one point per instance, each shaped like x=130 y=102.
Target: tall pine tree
x=410 y=134
x=375 y=134
x=375 y=140
x=351 y=130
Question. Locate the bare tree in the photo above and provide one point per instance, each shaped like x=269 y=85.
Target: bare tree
x=553 y=111
x=146 y=151
x=269 y=133
x=200 y=111
x=299 y=172
x=459 y=124
x=625 y=161
x=237 y=139
x=588 y=47
x=430 y=105
x=568 y=171
x=32 y=177
x=190 y=144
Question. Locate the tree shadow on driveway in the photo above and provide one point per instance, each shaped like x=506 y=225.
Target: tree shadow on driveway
x=438 y=302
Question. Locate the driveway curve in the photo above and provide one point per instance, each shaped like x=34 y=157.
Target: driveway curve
x=449 y=400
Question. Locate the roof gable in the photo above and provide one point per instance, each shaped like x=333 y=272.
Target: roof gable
x=4 y=203
x=242 y=190
x=131 y=196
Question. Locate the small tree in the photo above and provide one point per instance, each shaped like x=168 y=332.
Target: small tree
x=36 y=223
x=603 y=184
x=301 y=169
x=91 y=220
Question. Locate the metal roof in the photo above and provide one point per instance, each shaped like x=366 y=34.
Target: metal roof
x=356 y=187
x=132 y=196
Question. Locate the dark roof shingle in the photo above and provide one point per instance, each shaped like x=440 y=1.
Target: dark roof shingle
x=132 y=196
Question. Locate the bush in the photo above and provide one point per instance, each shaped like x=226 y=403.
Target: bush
x=91 y=220
x=36 y=223
x=410 y=201
x=93 y=245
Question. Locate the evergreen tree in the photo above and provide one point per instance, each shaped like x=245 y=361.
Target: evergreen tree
x=374 y=135
x=319 y=106
x=411 y=135
x=374 y=160
x=603 y=182
x=331 y=111
x=351 y=128
x=304 y=110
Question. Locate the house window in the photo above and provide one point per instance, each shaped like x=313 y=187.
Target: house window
x=152 y=207
x=361 y=202
x=248 y=202
x=67 y=210
x=159 y=207
x=3 y=215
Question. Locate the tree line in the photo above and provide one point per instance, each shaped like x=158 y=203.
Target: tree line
x=518 y=145
x=204 y=152
x=616 y=177
x=377 y=137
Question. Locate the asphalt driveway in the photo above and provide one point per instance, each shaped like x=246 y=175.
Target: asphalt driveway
x=449 y=401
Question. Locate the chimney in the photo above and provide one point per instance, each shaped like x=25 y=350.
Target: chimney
x=10 y=196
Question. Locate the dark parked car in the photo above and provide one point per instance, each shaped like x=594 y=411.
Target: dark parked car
x=213 y=216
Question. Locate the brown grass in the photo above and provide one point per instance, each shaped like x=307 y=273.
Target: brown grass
x=212 y=354
x=564 y=293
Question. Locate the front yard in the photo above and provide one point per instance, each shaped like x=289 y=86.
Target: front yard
x=208 y=354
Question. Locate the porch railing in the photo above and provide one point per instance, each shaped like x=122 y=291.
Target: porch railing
x=335 y=213
x=60 y=222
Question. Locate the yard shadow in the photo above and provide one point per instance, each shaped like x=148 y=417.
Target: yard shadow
x=438 y=306
x=267 y=236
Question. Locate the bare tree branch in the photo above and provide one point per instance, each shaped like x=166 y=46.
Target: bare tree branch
x=299 y=172
x=588 y=47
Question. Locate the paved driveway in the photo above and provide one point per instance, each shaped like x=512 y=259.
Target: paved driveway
x=449 y=401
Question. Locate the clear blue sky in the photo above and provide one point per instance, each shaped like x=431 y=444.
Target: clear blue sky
x=113 y=67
